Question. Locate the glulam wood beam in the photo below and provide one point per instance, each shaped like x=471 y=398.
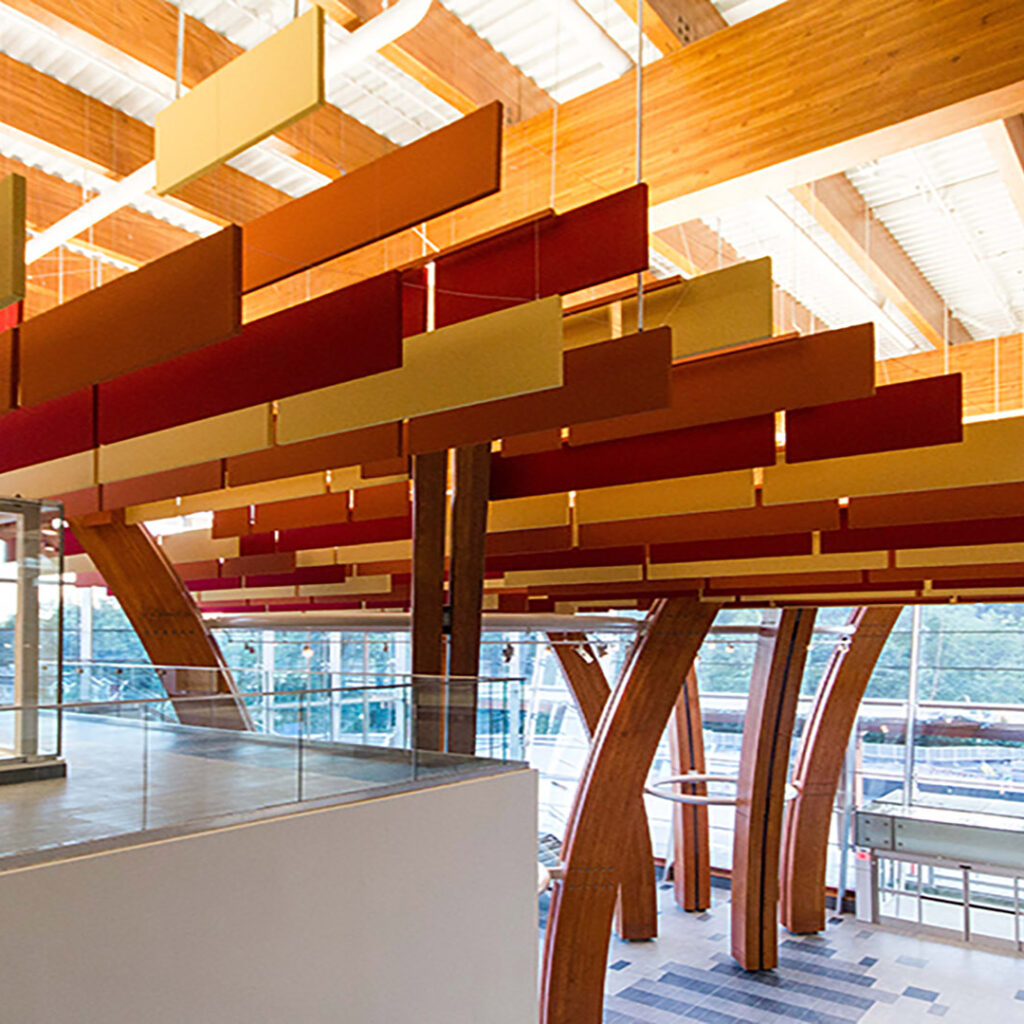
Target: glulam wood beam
x=1006 y=141
x=764 y=764
x=583 y=902
x=689 y=20
x=429 y=474
x=819 y=763
x=691 y=867
x=447 y=57
x=166 y=620
x=636 y=910
x=466 y=587
x=146 y=31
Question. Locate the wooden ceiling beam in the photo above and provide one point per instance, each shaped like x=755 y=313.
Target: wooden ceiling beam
x=146 y=31
x=837 y=205
x=111 y=141
x=688 y=20
x=656 y=27
x=447 y=57
x=1006 y=141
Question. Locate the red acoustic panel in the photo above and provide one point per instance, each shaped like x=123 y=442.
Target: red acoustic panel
x=522 y=542
x=319 y=510
x=8 y=370
x=742 y=547
x=80 y=503
x=371 y=532
x=257 y=544
x=171 y=483
x=530 y=444
x=386 y=467
x=51 y=430
x=71 y=544
x=988 y=501
x=787 y=373
x=558 y=254
x=332 y=452
x=204 y=570
x=738 y=444
x=912 y=414
x=247 y=565
x=383 y=502
x=571 y=559
x=181 y=302
x=440 y=172
x=414 y=301
x=1007 y=530
x=713 y=526
x=349 y=333
x=613 y=378
x=10 y=316
x=299 y=577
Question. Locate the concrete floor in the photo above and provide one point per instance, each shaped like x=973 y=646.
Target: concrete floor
x=123 y=777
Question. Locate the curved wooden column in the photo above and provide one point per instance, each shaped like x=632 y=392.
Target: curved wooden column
x=764 y=764
x=165 y=617
x=692 y=867
x=636 y=912
x=579 y=923
x=819 y=764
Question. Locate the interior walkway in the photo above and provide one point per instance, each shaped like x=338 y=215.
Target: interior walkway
x=123 y=777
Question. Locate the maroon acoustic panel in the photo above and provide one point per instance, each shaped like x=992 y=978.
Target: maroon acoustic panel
x=555 y=255
x=349 y=333
x=736 y=444
x=181 y=302
x=414 y=301
x=10 y=316
x=1007 y=530
x=742 y=547
x=63 y=426
x=912 y=414
x=572 y=559
x=370 y=532
x=8 y=370
x=300 y=577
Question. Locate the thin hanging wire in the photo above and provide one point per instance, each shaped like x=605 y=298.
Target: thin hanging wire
x=639 y=142
x=179 y=60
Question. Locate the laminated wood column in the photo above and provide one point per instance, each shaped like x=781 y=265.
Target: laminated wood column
x=819 y=764
x=165 y=617
x=583 y=902
x=468 y=541
x=636 y=913
x=692 y=867
x=427 y=598
x=764 y=763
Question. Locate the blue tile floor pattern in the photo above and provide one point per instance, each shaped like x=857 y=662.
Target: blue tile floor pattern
x=850 y=973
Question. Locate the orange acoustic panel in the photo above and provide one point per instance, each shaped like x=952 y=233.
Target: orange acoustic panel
x=345 y=449
x=787 y=374
x=176 y=304
x=613 y=378
x=172 y=483
x=440 y=172
x=990 y=501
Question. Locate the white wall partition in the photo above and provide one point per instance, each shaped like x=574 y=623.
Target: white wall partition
x=418 y=908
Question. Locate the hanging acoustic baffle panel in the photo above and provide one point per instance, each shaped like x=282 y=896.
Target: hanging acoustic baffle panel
x=176 y=304
x=511 y=352
x=346 y=334
x=709 y=313
x=12 y=240
x=436 y=174
x=258 y=93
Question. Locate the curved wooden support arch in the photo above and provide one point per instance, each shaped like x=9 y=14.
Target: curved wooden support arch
x=760 y=797
x=636 y=913
x=819 y=764
x=692 y=870
x=165 y=617
x=579 y=924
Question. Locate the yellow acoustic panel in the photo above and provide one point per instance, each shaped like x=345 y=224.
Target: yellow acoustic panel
x=355 y=585
x=79 y=563
x=48 y=479
x=258 y=93
x=991 y=452
x=244 y=594
x=528 y=513
x=556 y=577
x=350 y=479
x=977 y=554
x=490 y=603
x=707 y=313
x=198 y=546
x=511 y=352
x=233 y=433
x=813 y=597
x=666 y=497
x=769 y=566
x=12 y=239
x=382 y=551
x=315 y=556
